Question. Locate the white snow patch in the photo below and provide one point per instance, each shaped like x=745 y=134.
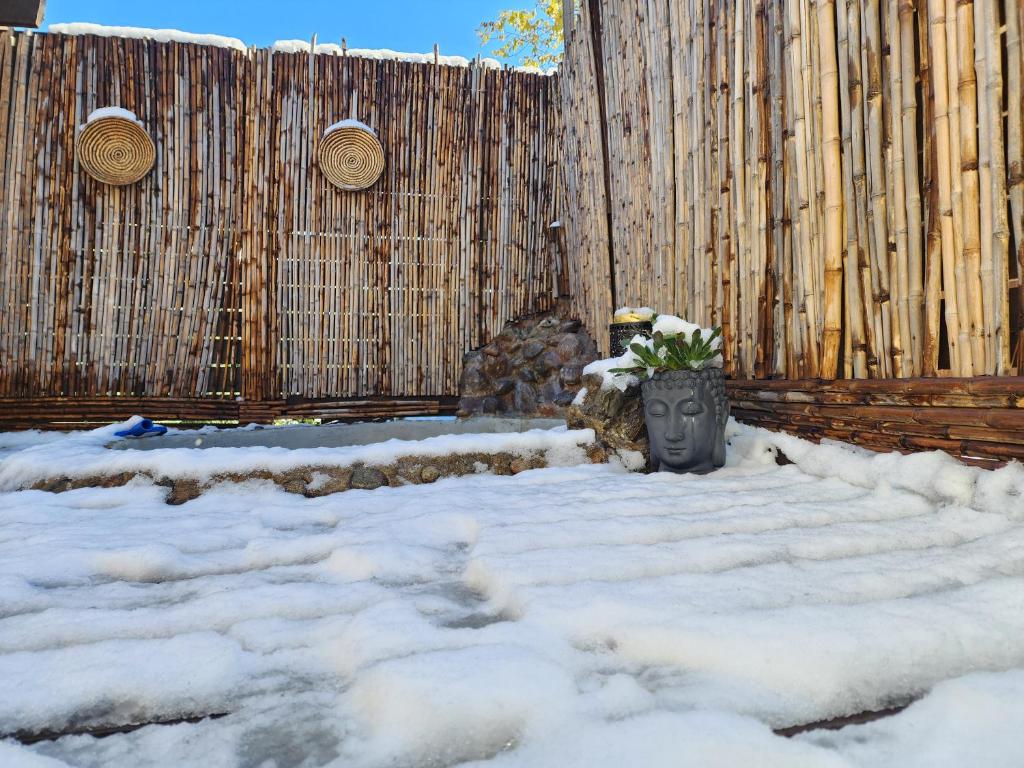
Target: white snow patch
x=349 y=123
x=974 y=720
x=159 y=35
x=102 y=112
x=644 y=313
x=84 y=454
x=579 y=616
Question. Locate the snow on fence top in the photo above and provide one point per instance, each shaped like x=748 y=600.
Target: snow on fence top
x=281 y=46
x=141 y=33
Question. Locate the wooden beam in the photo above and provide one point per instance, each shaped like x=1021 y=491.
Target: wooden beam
x=22 y=13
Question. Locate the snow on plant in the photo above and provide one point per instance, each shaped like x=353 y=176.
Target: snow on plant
x=634 y=314
x=674 y=345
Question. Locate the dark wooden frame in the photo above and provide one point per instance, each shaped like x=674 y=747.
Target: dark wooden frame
x=979 y=420
x=22 y=13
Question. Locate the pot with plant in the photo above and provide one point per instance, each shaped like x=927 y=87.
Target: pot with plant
x=626 y=323
x=685 y=407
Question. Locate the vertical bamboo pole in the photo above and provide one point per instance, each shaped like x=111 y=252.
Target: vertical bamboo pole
x=899 y=208
x=960 y=356
x=969 y=283
x=999 y=346
x=1014 y=13
x=833 y=189
x=985 y=151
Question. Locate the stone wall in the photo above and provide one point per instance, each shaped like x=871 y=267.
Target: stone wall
x=534 y=367
x=316 y=481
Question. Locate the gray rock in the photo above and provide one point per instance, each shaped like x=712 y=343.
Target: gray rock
x=429 y=474
x=532 y=348
x=545 y=351
x=569 y=347
x=368 y=478
x=571 y=374
x=549 y=361
x=496 y=367
x=475 y=384
x=503 y=386
x=525 y=400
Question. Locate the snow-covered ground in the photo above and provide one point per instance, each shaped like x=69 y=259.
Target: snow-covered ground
x=570 y=616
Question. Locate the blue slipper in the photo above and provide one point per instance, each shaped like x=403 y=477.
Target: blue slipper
x=143 y=428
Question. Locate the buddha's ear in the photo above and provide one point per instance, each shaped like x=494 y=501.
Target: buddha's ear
x=718 y=454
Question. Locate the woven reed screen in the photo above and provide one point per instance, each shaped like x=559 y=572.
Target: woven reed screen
x=234 y=267
x=838 y=183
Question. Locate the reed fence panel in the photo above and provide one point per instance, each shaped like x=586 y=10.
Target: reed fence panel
x=234 y=269
x=839 y=184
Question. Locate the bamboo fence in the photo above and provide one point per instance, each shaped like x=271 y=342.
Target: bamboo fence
x=839 y=184
x=234 y=269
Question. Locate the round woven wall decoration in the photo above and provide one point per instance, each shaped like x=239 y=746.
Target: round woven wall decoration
x=350 y=156
x=115 y=150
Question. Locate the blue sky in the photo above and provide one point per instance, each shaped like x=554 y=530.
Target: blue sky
x=403 y=25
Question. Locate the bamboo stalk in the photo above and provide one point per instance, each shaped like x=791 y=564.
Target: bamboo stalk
x=833 y=189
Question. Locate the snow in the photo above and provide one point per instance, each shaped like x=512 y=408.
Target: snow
x=381 y=54
x=159 y=35
x=643 y=313
x=349 y=123
x=974 y=720
x=284 y=46
x=303 y=46
x=85 y=455
x=604 y=367
x=571 y=616
x=102 y=112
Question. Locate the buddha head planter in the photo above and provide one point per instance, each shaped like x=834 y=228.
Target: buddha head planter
x=686 y=413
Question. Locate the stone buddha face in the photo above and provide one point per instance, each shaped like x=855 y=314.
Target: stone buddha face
x=684 y=421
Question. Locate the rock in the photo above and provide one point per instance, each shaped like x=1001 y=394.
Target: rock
x=532 y=348
x=475 y=383
x=508 y=344
x=503 y=386
x=53 y=484
x=571 y=374
x=519 y=465
x=327 y=482
x=184 y=490
x=368 y=478
x=525 y=400
x=429 y=474
x=470 y=405
x=565 y=398
x=569 y=347
x=546 y=363
x=616 y=417
x=496 y=367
